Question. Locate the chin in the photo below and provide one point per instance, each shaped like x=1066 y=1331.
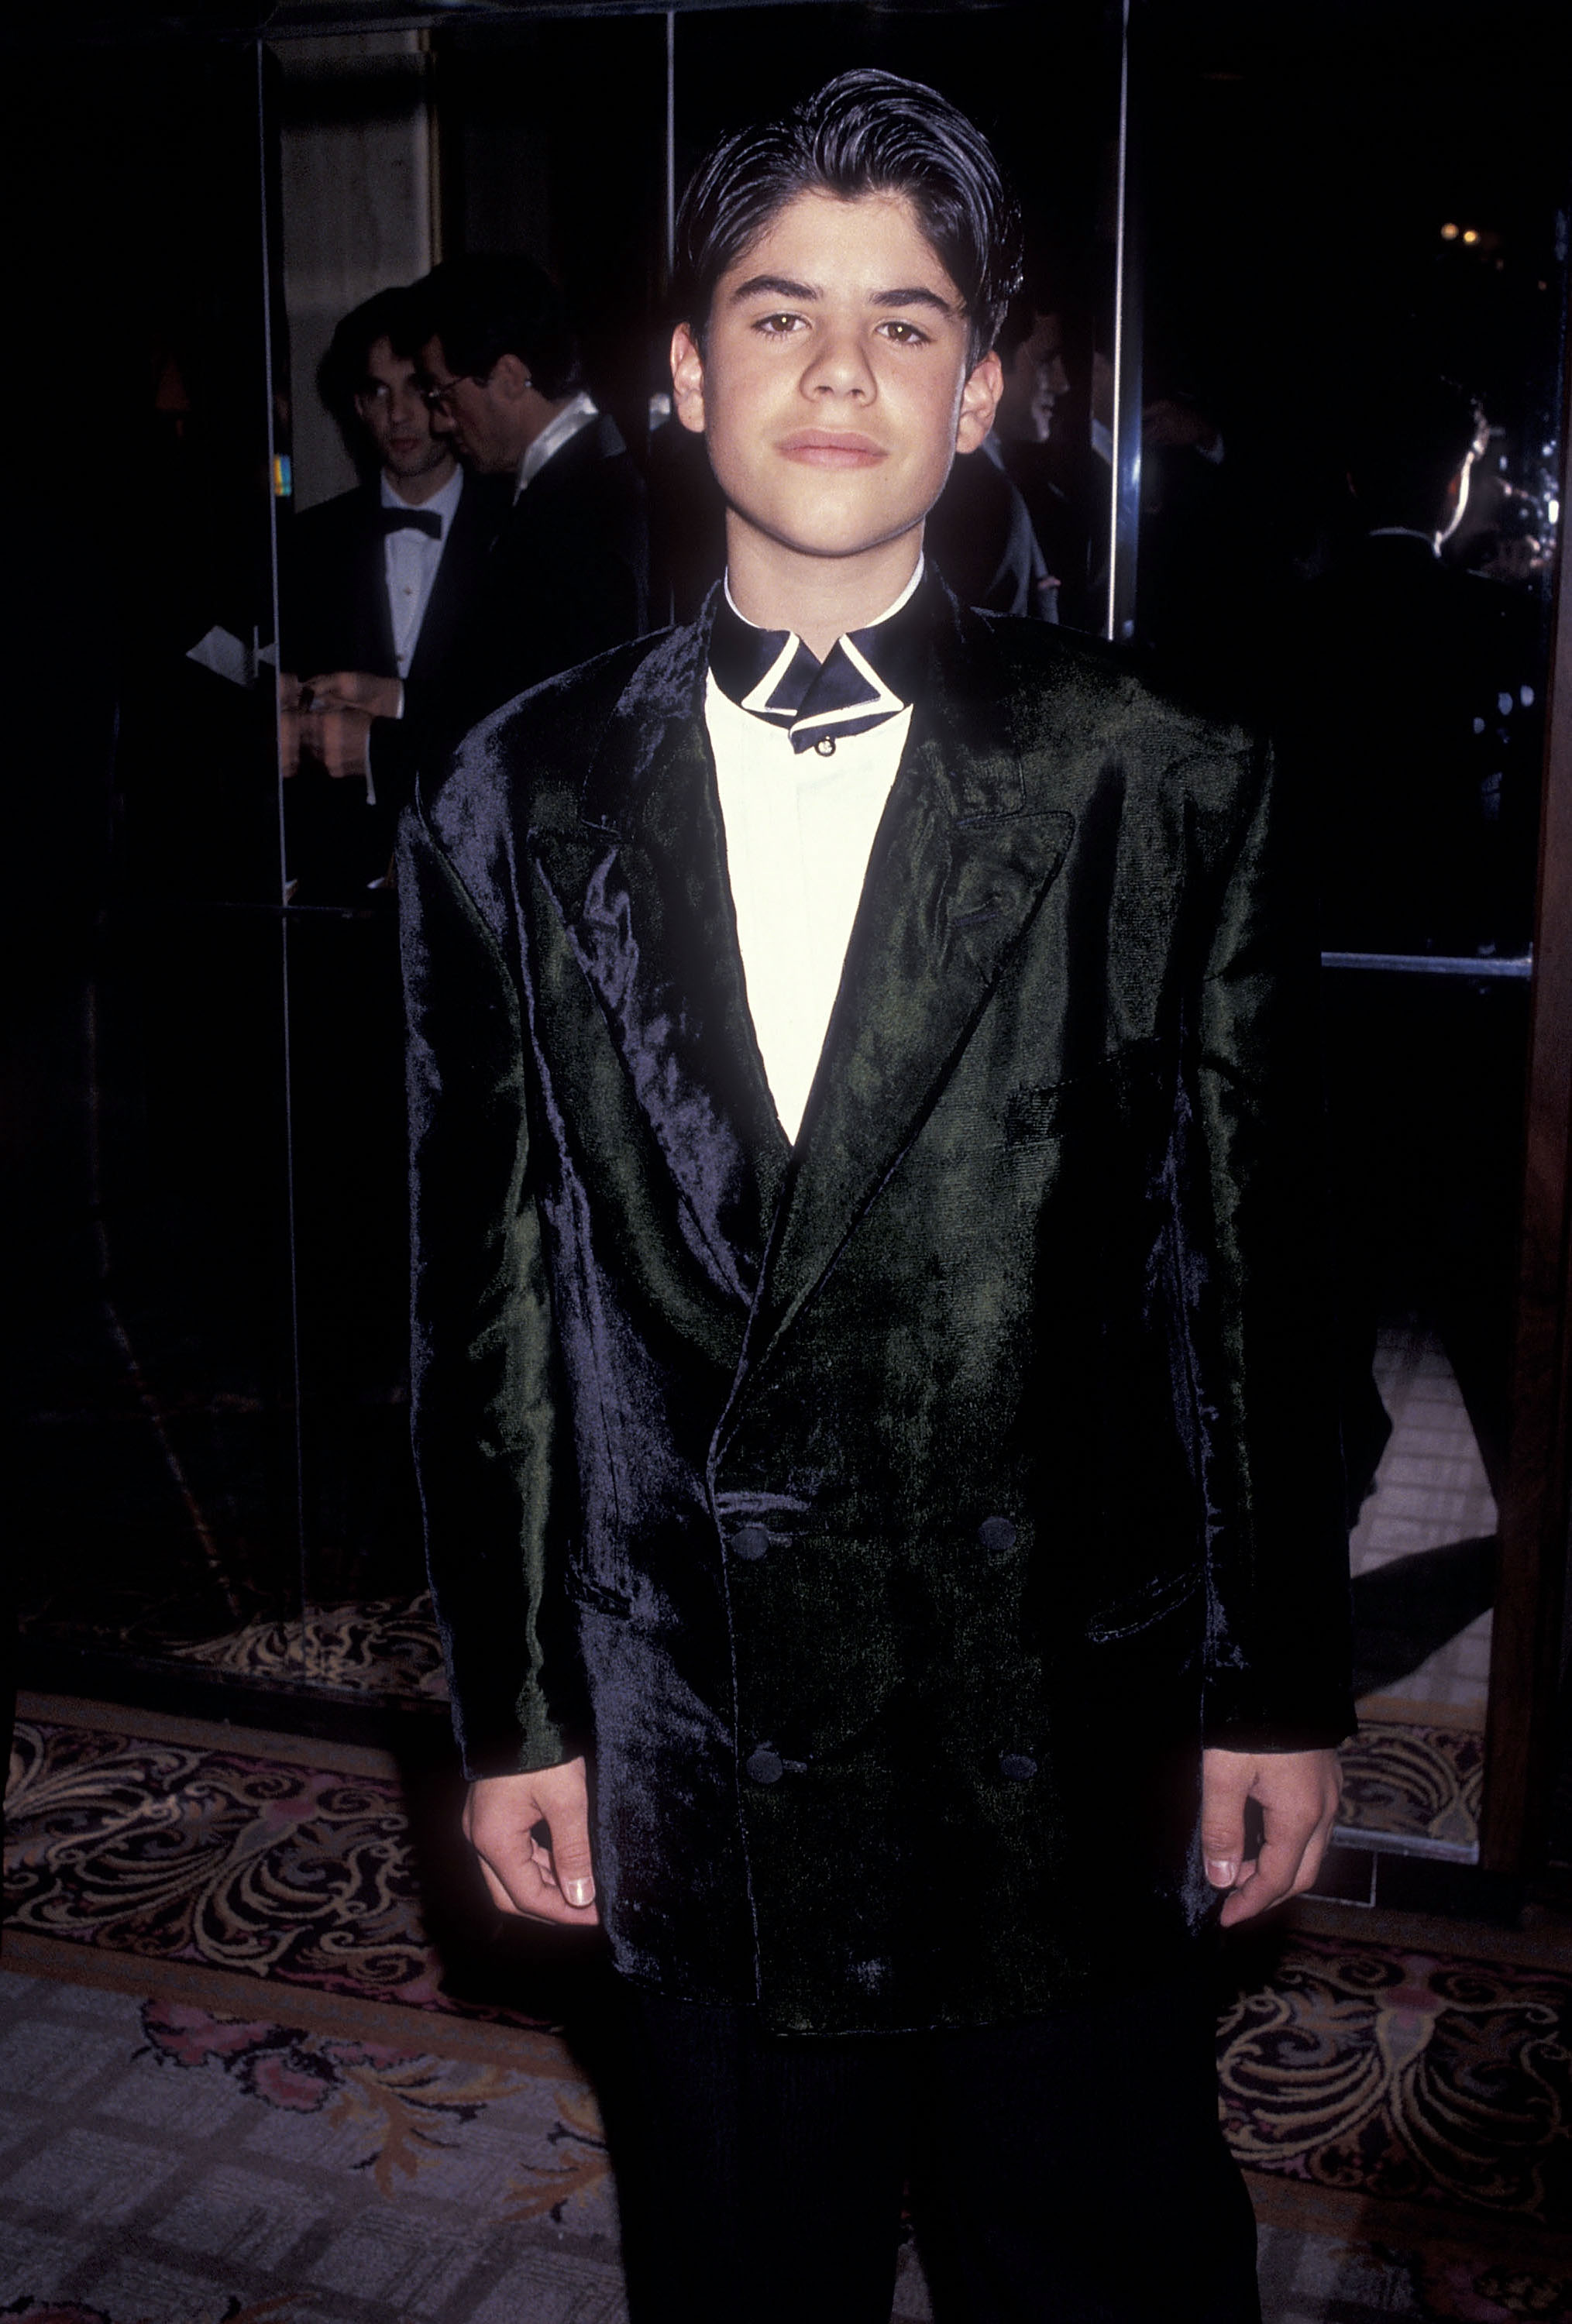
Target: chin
x=839 y=532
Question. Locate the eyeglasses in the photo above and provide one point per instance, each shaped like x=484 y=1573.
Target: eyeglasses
x=437 y=395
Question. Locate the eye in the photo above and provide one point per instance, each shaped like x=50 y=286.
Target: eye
x=903 y=333
x=777 y=327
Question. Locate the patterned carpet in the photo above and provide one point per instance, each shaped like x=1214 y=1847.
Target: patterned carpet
x=1414 y=1782
x=238 y=2078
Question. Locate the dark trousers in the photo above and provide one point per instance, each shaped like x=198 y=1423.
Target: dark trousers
x=1066 y=2170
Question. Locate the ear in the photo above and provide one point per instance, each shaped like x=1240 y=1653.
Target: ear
x=687 y=379
x=510 y=375
x=979 y=401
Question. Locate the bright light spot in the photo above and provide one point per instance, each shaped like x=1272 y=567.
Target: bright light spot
x=1448 y=232
x=1553 y=511
x=1471 y=233
x=1503 y=704
x=1526 y=697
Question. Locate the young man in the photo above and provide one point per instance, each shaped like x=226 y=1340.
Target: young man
x=376 y=582
x=867 y=1348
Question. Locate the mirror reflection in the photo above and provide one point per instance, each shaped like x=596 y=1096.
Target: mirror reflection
x=451 y=392
x=145 y=1091
x=1349 y=513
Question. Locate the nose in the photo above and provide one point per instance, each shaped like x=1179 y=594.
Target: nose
x=839 y=365
x=409 y=413
x=442 y=421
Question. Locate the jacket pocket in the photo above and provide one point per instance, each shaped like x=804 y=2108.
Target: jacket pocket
x=1119 y=1087
x=585 y=1591
x=1139 y=1609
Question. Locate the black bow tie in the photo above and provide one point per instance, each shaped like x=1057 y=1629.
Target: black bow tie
x=400 y=520
x=867 y=676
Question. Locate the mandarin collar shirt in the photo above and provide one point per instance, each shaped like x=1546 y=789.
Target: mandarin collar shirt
x=800 y=812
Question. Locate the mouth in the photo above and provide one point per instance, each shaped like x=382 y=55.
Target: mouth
x=831 y=447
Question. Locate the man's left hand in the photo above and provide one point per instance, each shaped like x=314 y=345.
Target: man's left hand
x=1298 y=1793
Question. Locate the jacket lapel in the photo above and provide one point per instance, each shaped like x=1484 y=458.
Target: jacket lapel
x=643 y=891
x=483 y=504
x=957 y=871
x=367 y=594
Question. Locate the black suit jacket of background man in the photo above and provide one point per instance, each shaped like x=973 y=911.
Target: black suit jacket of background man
x=567 y=576
x=334 y=615
x=894 y=1516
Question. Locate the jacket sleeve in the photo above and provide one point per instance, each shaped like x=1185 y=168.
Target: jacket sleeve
x=1253 y=1216
x=486 y=1410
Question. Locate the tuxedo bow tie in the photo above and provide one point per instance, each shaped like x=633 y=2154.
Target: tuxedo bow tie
x=408 y=519
x=867 y=676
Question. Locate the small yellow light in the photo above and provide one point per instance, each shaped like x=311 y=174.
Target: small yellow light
x=1448 y=232
x=1471 y=233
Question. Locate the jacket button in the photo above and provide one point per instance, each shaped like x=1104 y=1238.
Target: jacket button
x=750 y=1541
x=996 y=1534
x=1016 y=1767
x=764 y=1766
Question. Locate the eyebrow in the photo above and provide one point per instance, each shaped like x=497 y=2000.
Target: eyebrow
x=781 y=286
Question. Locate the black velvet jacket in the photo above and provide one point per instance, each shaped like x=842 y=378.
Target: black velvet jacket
x=894 y=1516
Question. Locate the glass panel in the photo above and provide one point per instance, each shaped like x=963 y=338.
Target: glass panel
x=145 y=1085
x=542 y=142
x=1347 y=522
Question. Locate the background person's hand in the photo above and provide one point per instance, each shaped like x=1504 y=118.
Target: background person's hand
x=541 y=1880
x=356 y=689
x=1298 y=1793
x=337 y=739
x=289 y=723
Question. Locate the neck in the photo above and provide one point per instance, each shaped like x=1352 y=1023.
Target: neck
x=534 y=415
x=416 y=491
x=817 y=597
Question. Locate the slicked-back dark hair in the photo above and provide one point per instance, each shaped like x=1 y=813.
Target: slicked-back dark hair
x=482 y=309
x=1410 y=434
x=863 y=133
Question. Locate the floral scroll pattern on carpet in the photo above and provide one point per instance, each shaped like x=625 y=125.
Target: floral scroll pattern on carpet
x=375 y=1645
x=180 y=1852
x=1424 y=1782
x=1407 y=2077
x=403 y=2107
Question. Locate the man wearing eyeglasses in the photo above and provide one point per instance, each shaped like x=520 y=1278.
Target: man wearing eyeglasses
x=567 y=576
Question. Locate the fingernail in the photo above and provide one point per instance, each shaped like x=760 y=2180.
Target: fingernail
x=579 y=1892
x=1221 y=1871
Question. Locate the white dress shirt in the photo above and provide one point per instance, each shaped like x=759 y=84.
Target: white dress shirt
x=799 y=827
x=554 y=434
x=409 y=561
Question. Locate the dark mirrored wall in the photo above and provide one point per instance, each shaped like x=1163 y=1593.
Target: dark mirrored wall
x=1289 y=425
x=151 y=1496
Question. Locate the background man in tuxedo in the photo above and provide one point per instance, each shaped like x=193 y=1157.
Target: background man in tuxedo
x=882 y=1491
x=566 y=572
x=376 y=581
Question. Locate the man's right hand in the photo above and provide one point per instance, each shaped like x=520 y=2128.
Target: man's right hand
x=356 y=689
x=543 y=1881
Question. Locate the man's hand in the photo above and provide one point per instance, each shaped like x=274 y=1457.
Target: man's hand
x=356 y=689
x=1298 y=1793
x=543 y=1881
x=288 y=723
x=340 y=740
